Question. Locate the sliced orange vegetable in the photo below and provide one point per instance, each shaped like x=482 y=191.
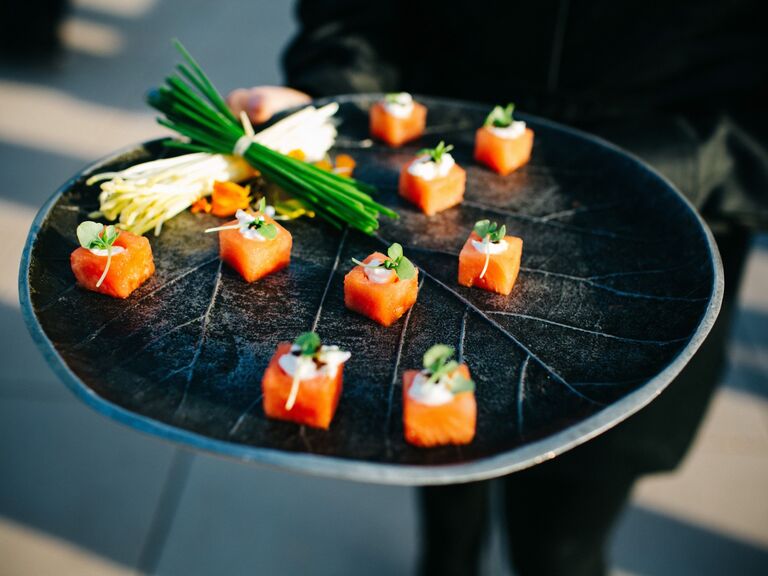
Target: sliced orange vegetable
x=502 y=268
x=228 y=198
x=201 y=205
x=128 y=269
x=435 y=195
x=254 y=259
x=383 y=303
x=450 y=423
x=396 y=131
x=345 y=165
x=324 y=164
x=503 y=155
x=297 y=153
x=316 y=400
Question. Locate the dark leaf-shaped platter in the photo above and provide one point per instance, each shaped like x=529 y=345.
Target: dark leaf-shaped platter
x=620 y=283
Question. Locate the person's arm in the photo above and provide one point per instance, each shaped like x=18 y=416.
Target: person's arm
x=342 y=46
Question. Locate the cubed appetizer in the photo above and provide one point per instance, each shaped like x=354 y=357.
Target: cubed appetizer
x=433 y=181
x=490 y=259
x=303 y=381
x=254 y=244
x=397 y=119
x=382 y=287
x=503 y=143
x=111 y=261
x=439 y=405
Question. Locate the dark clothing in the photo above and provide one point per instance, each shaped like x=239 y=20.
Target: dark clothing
x=684 y=85
x=559 y=513
x=691 y=75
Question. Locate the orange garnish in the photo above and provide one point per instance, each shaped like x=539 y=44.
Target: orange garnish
x=202 y=205
x=297 y=153
x=228 y=198
x=345 y=164
x=324 y=165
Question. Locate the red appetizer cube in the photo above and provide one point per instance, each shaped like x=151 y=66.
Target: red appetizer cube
x=379 y=294
x=503 y=143
x=405 y=124
x=312 y=400
x=130 y=265
x=433 y=181
x=500 y=154
x=255 y=257
x=495 y=271
x=430 y=424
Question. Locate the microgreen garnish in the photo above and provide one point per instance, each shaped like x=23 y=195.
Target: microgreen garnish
x=494 y=232
x=396 y=261
x=489 y=232
x=265 y=229
x=438 y=364
x=500 y=117
x=308 y=343
x=395 y=97
x=436 y=153
x=95 y=236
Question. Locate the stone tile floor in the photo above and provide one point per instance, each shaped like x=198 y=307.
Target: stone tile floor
x=82 y=495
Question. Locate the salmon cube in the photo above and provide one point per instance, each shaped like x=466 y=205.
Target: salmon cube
x=435 y=195
x=437 y=425
x=503 y=155
x=502 y=268
x=128 y=269
x=254 y=259
x=316 y=400
x=393 y=130
x=382 y=303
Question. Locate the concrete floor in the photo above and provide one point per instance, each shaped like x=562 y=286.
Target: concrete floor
x=82 y=495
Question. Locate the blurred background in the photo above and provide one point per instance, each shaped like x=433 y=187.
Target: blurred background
x=82 y=495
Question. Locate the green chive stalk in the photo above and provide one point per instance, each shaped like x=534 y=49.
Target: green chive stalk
x=192 y=106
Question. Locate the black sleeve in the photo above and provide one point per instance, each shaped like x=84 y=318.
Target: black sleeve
x=343 y=46
x=719 y=160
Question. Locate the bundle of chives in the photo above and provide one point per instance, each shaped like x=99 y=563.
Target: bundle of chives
x=193 y=107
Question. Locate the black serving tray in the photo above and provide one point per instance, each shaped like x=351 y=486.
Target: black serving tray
x=620 y=283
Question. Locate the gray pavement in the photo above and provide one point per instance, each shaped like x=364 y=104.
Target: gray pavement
x=80 y=494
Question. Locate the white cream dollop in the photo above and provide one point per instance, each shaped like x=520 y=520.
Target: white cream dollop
x=330 y=357
x=399 y=105
x=244 y=220
x=378 y=275
x=514 y=130
x=425 y=168
x=105 y=252
x=431 y=394
x=490 y=247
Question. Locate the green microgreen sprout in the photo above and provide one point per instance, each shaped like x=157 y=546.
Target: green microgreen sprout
x=396 y=261
x=439 y=365
x=266 y=230
x=308 y=344
x=395 y=97
x=95 y=236
x=489 y=232
x=436 y=153
x=501 y=117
